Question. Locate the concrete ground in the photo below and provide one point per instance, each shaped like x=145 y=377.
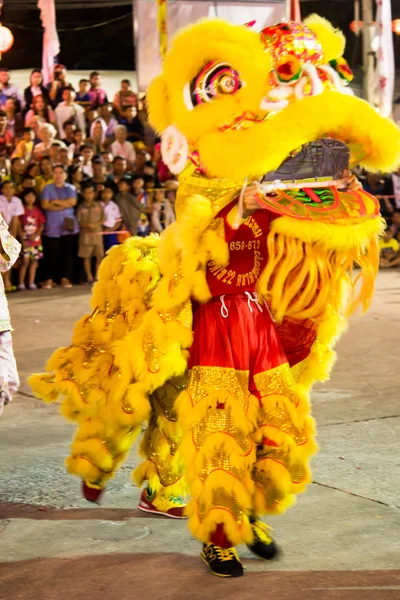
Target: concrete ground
x=341 y=541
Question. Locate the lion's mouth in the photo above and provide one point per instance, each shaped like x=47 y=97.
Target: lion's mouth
x=319 y=164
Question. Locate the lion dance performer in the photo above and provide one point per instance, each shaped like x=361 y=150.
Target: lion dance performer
x=215 y=332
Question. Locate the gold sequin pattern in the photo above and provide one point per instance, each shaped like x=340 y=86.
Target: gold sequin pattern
x=152 y=354
x=207 y=380
x=273 y=497
x=218 y=420
x=167 y=475
x=220 y=192
x=277 y=381
x=182 y=314
x=296 y=469
x=279 y=418
x=220 y=460
x=164 y=397
x=222 y=499
x=298 y=370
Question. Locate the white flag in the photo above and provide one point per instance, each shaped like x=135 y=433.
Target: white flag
x=51 y=43
x=385 y=63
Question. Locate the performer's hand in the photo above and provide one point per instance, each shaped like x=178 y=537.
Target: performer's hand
x=352 y=182
x=250 y=203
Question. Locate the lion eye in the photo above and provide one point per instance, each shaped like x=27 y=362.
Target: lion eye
x=215 y=79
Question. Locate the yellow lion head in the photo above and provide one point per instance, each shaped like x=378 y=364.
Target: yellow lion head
x=238 y=103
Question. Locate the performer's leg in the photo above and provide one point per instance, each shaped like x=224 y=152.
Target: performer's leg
x=163 y=466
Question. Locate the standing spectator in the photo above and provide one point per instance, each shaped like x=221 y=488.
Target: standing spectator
x=56 y=87
x=6 y=138
x=134 y=127
x=128 y=205
x=40 y=112
x=141 y=195
x=112 y=217
x=24 y=148
x=28 y=182
x=90 y=116
x=110 y=121
x=82 y=97
x=118 y=172
x=123 y=148
x=7 y=90
x=98 y=136
x=99 y=177
x=54 y=150
x=87 y=154
x=46 y=174
x=33 y=170
x=32 y=223
x=17 y=173
x=389 y=250
x=375 y=185
x=47 y=134
x=124 y=98
x=58 y=201
x=35 y=88
x=76 y=146
x=77 y=177
x=97 y=95
x=149 y=133
x=15 y=122
x=107 y=159
x=162 y=212
x=70 y=111
x=69 y=133
x=11 y=208
x=90 y=215
x=63 y=157
x=141 y=161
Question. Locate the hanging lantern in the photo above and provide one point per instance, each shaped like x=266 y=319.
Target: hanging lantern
x=396 y=26
x=6 y=39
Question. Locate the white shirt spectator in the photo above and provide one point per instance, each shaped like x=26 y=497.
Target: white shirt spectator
x=10 y=209
x=124 y=150
x=112 y=214
x=69 y=112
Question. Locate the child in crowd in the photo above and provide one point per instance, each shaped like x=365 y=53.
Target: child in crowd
x=90 y=215
x=143 y=226
x=82 y=97
x=389 y=250
x=162 y=212
x=11 y=208
x=129 y=205
x=141 y=194
x=32 y=223
x=24 y=148
x=9 y=380
x=112 y=217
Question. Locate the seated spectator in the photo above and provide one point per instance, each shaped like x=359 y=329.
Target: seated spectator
x=97 y=95
x=107 y=159
x=82 y=98
x=33 y=170
x=40 y=112
x=112 y=217
x=128 y=205
x=123 y=148
x=70 y=111
x=46 y=174
x=149 y=184
x=76 y=146
x=124 y=98
x=63 y=157
x=24 y=148
x=11 y=208
x=389 y=250
x=162 y=212
x=35 y=88
x=54 y=150
x=6 y=138
x=97 y=137
x=8 y=90
x=47 y=134
x=105 y=113
x=90 y=215
x=395 y=223
x=134 y=128
x=87 y=155
x=56 y=87
x=375 y=185
x=31 y=229
x=58 y=200
x=141 y=160
x=69 y=133
x=15 y=122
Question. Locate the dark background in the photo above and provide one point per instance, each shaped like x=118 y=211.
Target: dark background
x=111 y=46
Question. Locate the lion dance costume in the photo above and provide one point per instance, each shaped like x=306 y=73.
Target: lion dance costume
x=215 y=332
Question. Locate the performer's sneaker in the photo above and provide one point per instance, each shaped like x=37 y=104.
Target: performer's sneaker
x=263 y=545
x=168 y=506
x=92 y=494
x=223 y=562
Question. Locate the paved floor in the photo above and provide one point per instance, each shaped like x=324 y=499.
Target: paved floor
x=341 y=541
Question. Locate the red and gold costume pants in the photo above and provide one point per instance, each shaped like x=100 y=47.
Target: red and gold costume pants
x=247 y=433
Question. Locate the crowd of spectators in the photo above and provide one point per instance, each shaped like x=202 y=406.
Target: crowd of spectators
x=79 y=173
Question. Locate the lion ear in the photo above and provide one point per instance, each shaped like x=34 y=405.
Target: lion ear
x=332 y=40
x=158 y=102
